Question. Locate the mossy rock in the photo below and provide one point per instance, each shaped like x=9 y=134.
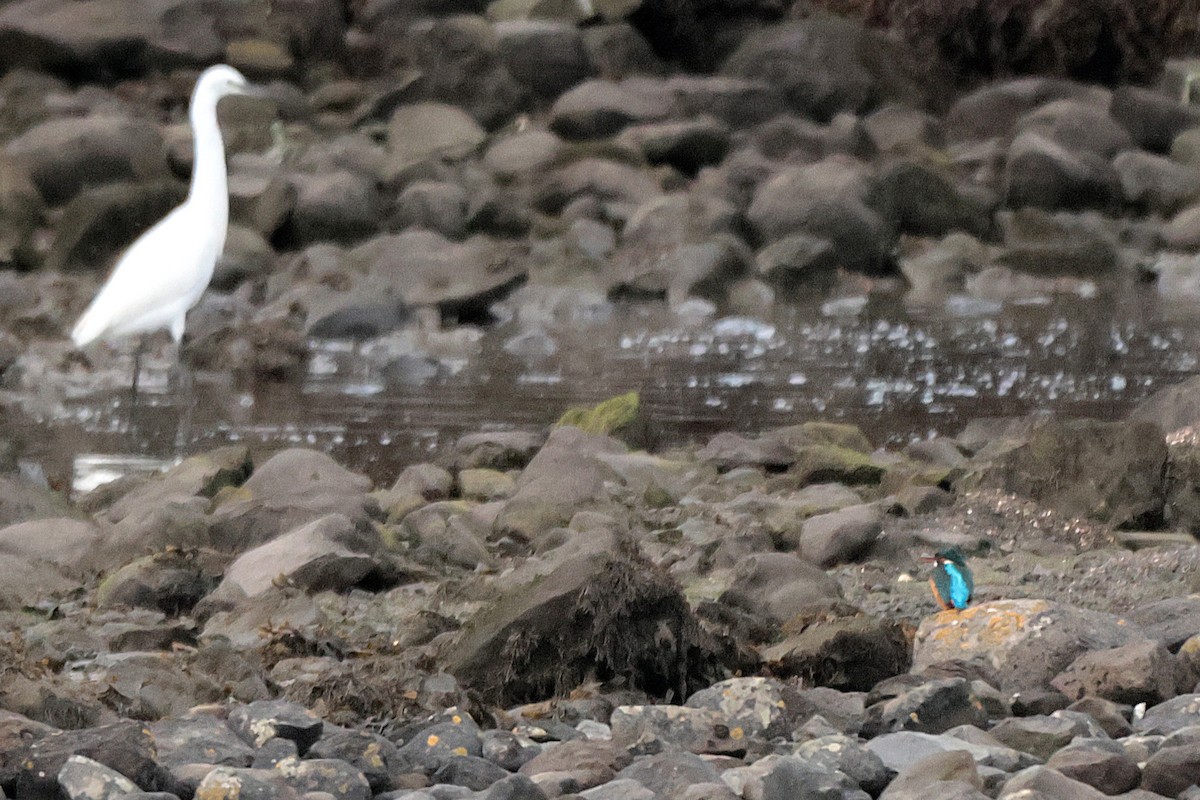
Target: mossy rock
x=827 y=463
x=618 y=416
x=830 y=433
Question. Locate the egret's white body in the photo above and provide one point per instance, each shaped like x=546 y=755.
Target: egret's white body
x=162 y=274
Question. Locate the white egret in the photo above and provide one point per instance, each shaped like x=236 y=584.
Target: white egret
x=162 y=274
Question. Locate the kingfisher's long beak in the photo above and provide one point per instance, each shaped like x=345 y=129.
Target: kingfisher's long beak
x=928 y=559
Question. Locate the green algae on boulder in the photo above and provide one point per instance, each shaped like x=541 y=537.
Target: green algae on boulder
x=607 y=417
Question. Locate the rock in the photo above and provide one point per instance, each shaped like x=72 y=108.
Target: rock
x=564 y=476
x=1172 y=770
x=514 y=787
x=330 y=775
x=849 y=653
x=1028 y=642
x=500 y=450
x=687 y=146
x=1153 y=119
x=1139 y=672
x=523 y=153
x=21 y=210
x=618 y=188
x=1182 y=232
x=598 y=108
x=1040 y=736
x=842 y=536
x=290 y=489
x=546 y=57
x=64 y=543
x=486 y=485
x=669 y=774
x=64 y=156
x=913 y=197
x=831 y=463
x=1110 y=716
x=1169 y=716
x=325 y=554
x=950 y=773
x=993 y=110
x=424 y=131
x=1047 y=783
x=617 y=50
x=201 y=475
x=844 y=754
x=1171 y=408
x=123 y=747
x=100 y=222
x=900 y=130
x=825 y=200
x=777 y=586
x=622 y=789
x=261 y=721
x=439 y=206
x=171 y=582
x=598 y=606
x=1042 y=173
x=1156 y=184
x=932 y=707
x=666 y=727
x=902 y=750
x=1079 y=124
x=199 y=740
x=589 y=764
x=1109 y=471
x=423 y=268
x=817 y=62
x=369 y=754
x=1100 y=765
x=334 y=206
x=84 y=779
x=777 y=777
x=728 y=451
x=231 y=783
x=796 y=264
x=761 y=707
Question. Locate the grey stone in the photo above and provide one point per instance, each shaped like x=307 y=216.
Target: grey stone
x=1139 y=672
x=841 y=536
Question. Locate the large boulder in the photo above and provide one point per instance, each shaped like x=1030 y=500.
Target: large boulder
x=1043 y=173
x=66 y=155
x=1028 y=642
x=327 y=553
x=826 y=200
x=594 y=609
x=102 y=221
x=291 y=488
x=1109 y=471
x=565 y=476
x=822 y=63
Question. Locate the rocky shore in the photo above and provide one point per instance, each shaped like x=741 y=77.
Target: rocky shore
x=569 y=616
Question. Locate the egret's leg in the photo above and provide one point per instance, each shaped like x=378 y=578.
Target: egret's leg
x=187 y=401
x=137 y=368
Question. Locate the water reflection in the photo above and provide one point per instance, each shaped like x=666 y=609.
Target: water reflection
x=900 y=372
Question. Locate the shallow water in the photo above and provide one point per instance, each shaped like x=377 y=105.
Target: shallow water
x=900 y=372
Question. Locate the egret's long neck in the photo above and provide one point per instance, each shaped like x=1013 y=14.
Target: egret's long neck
x=209 y=188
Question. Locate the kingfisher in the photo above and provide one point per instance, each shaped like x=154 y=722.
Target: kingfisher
x=952 y=582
